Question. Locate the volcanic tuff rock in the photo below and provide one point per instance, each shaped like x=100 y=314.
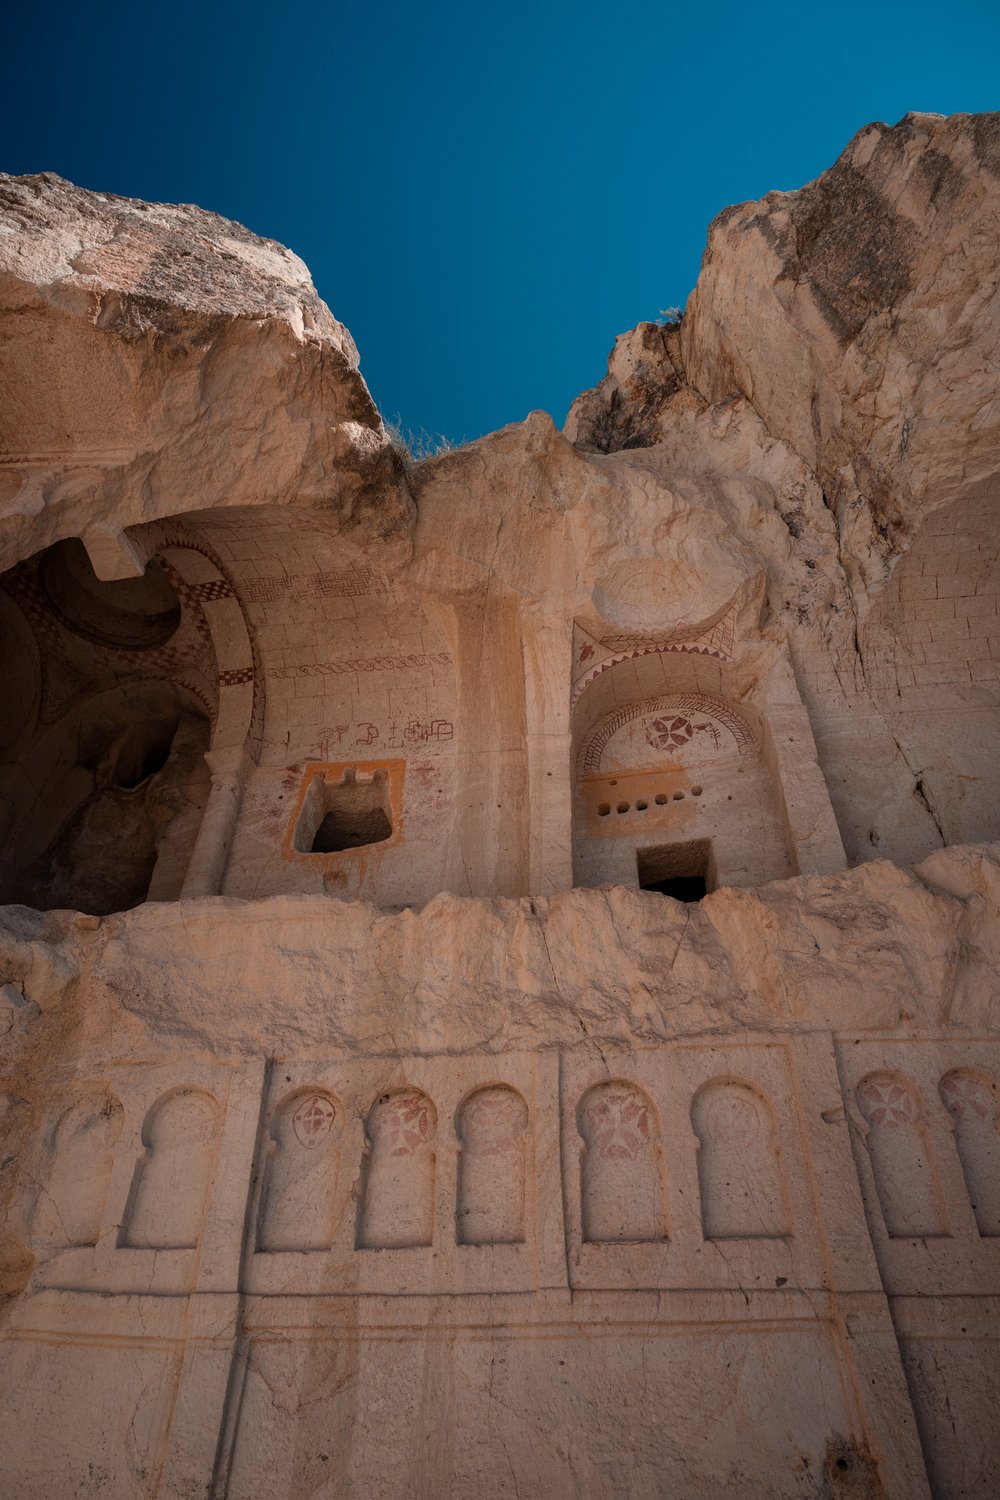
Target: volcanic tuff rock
x=859 y=316
x=404 y=1135
x=624 y=969
x=158 y=359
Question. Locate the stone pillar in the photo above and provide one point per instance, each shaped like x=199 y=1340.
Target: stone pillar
x=548 y=656
x=790 y=750
x=215 y=836
x=491 y=838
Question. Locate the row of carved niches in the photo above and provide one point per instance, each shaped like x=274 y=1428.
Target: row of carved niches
x=687 y=1168
x=140 y=1177
x=303 y=1198
x=359 y=1177
x=687 y=1165
x=681 y=1166
x=440 y=1175
x=924 y=1125
x=683 y=1149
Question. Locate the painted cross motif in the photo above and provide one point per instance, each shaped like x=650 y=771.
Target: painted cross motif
x=403 y=1124
x=618 y=1124
x=674 y=730
x=493 y=1121
x=964 y=1096
x=313 y=1121
x=664 y=733
x=883 y=1101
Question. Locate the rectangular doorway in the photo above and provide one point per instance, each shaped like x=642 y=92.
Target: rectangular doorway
x=684 y=871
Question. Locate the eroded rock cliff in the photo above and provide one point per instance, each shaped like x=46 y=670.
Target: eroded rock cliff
x=160 y=359
x=406 y=1135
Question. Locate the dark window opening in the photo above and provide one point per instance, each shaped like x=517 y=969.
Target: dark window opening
x=347 y=814
x=684 y=871
x=343 y=829
x=681 y=887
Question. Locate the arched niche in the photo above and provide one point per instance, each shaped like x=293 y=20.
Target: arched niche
x=902 y=1159
x=80 y=1150
x=972 y=1100
x=621 y=1186
x=492 y=1125
x=298 y=1203
x=397 y=1205
x=169 y=1195
x=740 y=1174
x=674 y=782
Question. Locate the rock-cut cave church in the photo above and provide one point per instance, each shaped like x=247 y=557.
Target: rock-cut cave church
x=499 y=954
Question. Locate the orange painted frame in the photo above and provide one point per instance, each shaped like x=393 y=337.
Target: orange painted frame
x=334 y=771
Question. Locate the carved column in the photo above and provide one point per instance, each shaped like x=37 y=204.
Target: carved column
x=548 y=655
x=215 y=836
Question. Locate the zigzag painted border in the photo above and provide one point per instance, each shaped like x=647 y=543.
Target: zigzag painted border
x=719 y=641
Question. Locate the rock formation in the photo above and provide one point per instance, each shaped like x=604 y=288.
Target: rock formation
x=498 y=970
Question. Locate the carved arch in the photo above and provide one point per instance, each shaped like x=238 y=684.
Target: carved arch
x=902 y=1161
x=621 y=1187
x=971 y=1098
x=397 y=1206
x=299 y=1198
x=173 y=1175
x=740 y=1173
x=492 y=1126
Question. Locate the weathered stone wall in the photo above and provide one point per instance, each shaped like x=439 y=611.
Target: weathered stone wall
x=374 y=1122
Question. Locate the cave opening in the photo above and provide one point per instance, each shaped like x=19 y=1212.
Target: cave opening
x=346 y=814
x=103 y=777
x=684 y=871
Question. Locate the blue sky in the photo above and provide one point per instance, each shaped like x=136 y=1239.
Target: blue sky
x=485 y=196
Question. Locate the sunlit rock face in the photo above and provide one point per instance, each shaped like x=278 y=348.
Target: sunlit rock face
x=498 y=955
x=159 y=359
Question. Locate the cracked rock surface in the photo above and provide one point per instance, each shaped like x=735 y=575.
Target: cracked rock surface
x=406 y=1135
x=158 y=358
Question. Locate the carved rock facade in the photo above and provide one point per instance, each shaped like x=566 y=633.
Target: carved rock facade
x=499 y=955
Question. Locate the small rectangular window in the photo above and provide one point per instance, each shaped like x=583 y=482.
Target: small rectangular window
x=347 y=814
x=684 y=871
